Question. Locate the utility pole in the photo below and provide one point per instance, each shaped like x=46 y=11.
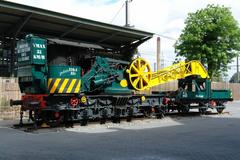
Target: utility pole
x=127 y=24
x=155 y=66
x=237 y=70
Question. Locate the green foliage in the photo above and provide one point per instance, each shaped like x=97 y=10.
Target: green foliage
x=211 y=35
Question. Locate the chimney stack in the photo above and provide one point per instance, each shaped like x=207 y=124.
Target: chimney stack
x=158 y=54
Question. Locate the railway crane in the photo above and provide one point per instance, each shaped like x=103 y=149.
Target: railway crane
x=60 y=88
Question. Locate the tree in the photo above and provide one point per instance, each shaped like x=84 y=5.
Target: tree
x=211 y=35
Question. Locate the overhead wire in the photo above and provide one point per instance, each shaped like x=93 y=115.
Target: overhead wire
x=117 y=13
x=163 y=36
x=167 y=37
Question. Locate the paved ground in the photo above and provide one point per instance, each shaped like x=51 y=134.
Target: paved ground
x=173 y=138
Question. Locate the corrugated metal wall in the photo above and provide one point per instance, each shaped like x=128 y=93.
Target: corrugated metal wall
x=9 y=89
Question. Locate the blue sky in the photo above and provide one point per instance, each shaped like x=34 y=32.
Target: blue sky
x=164 y=17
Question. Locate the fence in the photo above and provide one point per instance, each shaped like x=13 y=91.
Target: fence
x=9 y=89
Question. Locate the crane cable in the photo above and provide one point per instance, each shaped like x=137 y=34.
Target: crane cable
x=117 y=13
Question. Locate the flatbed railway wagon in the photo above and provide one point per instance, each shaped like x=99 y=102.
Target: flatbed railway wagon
x=198 y=93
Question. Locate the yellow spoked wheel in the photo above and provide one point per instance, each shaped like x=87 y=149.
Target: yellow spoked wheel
x=139 y=74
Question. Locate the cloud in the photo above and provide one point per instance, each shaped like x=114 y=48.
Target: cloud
x=167 y=17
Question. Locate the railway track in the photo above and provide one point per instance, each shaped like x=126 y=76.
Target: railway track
x=29 y=127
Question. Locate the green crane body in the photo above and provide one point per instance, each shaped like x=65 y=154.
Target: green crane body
x=34 y=73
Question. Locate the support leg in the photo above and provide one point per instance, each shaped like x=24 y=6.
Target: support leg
x=103 y=116
x=21 y=118
x=130 y=114
x=84 y=120
x=35 y=118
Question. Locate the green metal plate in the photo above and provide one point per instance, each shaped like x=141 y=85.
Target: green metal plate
x=64 y=72
x=38 y=51
x=32 y=50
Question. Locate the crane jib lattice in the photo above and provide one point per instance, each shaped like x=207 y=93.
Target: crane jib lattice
x=141 y=77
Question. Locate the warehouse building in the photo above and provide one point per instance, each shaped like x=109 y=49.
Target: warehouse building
x=16 y=21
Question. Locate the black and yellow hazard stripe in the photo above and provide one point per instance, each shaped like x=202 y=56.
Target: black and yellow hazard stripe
x=64 y=85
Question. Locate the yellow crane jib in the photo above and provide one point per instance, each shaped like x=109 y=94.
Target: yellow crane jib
x=141 y=77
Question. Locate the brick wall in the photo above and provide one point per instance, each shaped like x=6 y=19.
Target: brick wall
x=9 y=89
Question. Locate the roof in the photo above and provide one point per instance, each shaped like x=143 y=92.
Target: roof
x=76 y=44
x=17 y=20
